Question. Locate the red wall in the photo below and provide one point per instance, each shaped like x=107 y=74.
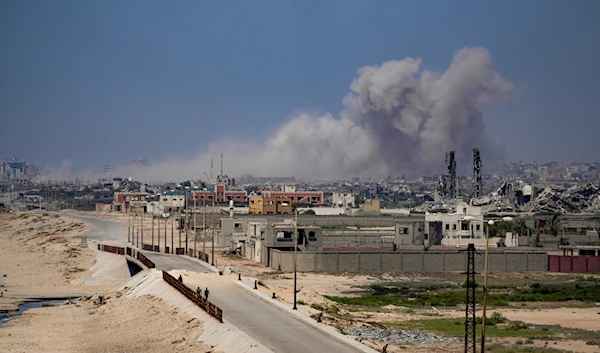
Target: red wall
x=573 y=263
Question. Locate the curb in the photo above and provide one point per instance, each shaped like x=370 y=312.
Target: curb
x=318 y=326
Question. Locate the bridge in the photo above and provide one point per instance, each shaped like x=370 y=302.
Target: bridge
x=271 y=325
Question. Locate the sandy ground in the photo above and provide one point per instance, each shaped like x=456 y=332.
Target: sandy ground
x=39 y=258
x=146 y=324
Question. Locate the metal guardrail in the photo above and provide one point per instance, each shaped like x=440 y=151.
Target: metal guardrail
x=204 y=304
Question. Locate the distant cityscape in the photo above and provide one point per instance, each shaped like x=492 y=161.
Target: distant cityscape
x=516 y=187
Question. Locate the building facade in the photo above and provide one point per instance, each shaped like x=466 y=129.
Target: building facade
x=269 y=205
x=455 y=229
x=221 y=194
x=124 y=200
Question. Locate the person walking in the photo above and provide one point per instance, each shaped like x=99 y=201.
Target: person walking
x=206 y=293
x=199 y=291
x=180 y=279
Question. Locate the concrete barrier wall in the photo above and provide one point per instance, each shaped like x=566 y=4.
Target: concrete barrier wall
x=425 y=261
x=332 y=221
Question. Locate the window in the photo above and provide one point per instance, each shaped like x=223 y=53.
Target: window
x=312 y=234
x=237 y=225
x=478 y=227
x=454 y=226
x=464 y=210
x=252 y=202
x=447 y=226
x=464 y=226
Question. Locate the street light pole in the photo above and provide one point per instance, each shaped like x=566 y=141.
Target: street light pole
x=137 y=233
x=204 y=221
x=212 y=222
x=129 y=227
x=172 y=232
x=165 y=217
x=295 y=254
x=485 y=276
x=195 y=231
x=186 y=218
x=153 y=228
x=142 y=226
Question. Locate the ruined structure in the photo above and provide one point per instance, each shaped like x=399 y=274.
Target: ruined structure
x=448 y=184
x=477 y=175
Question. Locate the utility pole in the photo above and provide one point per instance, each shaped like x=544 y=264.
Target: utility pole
x=129 y=227
x=186 y=219
x=212 y=258
x=204 y=221
x=142 y=226
x=137 y=233
x=470 y=302
x=195 y=231
x=165 y=217
x=172 y=232
x=153 y=228
x=132 y=227
x=295 y=255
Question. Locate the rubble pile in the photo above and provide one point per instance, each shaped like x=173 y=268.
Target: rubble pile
x=573 y=200
x=520 y=197
x=397 y=336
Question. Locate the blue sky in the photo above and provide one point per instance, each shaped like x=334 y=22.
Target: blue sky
x=103 y=82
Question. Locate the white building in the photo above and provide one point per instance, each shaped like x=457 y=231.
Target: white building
x=343 y=199
x=455 y=229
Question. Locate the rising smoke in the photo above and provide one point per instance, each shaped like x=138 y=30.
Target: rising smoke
x=398 y=120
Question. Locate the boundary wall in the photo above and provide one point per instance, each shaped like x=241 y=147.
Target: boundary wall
x=423 y=261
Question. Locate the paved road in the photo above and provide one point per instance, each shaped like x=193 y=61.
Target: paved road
x=167 y=262
x=269 y=325
x=102 y=229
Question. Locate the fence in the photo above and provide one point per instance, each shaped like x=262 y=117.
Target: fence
x=573 y=263
x=112 y=249
x=143 y=259
x=204 y=304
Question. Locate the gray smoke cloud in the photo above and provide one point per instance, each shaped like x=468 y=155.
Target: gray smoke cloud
x=398 y=119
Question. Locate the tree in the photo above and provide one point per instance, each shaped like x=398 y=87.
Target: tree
x=554 y=224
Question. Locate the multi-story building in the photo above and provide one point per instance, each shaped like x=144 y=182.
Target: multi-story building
x=343 y=199
x=221 y=194
x=14 y=171
x=256 y=180
x=455 y=229
x=124 y=200
x=305 y=197
x=269 y=205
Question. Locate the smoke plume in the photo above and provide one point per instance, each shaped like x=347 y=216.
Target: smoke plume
x=398 y=119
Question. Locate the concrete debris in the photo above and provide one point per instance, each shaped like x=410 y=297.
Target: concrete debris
x=398 y=336
x=522 y=197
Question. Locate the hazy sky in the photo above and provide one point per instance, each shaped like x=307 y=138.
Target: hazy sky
x=103 y=82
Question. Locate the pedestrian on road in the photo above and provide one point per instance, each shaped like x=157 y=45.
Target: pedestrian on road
x=180 y=279
x=206 y=293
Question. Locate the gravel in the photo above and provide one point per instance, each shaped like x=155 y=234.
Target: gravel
x=398 y=336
